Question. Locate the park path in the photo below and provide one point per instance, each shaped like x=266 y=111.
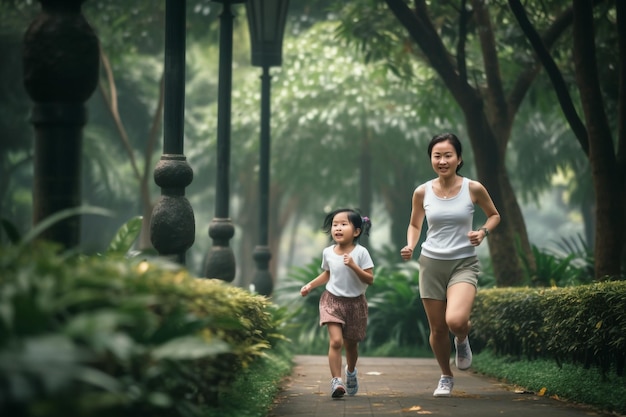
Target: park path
x=404 y=387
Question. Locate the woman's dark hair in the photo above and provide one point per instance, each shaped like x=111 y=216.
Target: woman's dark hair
x=450 y=137
x=354 y=217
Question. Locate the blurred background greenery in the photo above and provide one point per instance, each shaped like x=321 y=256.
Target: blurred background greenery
x=335 y=92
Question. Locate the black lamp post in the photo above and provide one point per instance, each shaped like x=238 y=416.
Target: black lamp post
x=220 y=261
x=266 y=21
x=172 y=227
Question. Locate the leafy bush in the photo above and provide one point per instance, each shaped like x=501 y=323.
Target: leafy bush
x=109 y=336
x=396 y=313
x=584 y=325
x=302 y=325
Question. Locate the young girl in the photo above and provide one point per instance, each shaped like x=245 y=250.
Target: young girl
x=348 y=270
x=448 y=263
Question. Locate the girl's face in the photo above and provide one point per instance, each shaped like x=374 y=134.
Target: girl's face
x=342 y=231
x=444 y=159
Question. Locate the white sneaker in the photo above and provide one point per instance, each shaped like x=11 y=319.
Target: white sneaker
x=444 y=389
x=463 y=356
x=337 y=389
x=352 y=383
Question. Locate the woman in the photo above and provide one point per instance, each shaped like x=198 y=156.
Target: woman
x=448 y=263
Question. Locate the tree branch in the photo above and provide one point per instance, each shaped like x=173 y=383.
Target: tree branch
x=560 y=87
x=491 y=62
x=154 y=130
x=111 y=104
x=460 y=47
x=422 y=31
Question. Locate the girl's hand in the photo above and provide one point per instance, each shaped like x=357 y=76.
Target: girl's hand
x=305 y=290
x=348 y=261
x=406 y=253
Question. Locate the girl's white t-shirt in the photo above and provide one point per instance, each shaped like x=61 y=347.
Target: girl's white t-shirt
x=343 y=280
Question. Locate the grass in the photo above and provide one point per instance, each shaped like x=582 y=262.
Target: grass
x=253 y=392
x=571 y=383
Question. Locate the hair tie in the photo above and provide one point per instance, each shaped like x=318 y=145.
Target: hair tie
x=365 y=219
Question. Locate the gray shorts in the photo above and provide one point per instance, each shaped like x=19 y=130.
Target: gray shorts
x=436 y=275
x=350 y=312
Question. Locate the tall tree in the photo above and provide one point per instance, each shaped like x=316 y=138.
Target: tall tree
x=595 y=134
x=452 y=38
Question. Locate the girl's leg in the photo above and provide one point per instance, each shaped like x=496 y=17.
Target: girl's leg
x=334 y=349
x=460 y=300
x=439 y=333
x=352 y=353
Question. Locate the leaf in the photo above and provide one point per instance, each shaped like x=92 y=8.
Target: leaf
x=10 y=230
x=125 y=236
x=62 y=215
x=190 y=348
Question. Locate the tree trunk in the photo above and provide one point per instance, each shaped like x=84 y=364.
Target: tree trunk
x=397 y=199
x=607 y=173
x=492 y=174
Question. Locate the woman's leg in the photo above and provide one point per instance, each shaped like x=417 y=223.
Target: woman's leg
x=439 y=333
x=334 y=349
x=460 y=301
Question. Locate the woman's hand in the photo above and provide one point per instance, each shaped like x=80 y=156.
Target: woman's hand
x=406 y=253
x=476 y=237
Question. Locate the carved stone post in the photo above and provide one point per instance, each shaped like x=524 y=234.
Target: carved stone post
x=61 y=62
x=172 y=229
x=220 y=261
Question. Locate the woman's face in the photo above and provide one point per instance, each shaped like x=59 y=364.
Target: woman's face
x=444 y=159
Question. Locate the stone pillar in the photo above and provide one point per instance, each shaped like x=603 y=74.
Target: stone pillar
x=220 y=261
x=172 y=228
x=61 y=64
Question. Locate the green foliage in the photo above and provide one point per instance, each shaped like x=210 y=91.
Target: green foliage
x=254 y=389
x=583 y=325
x=303 y=312
x=570 y=382
x=573 y=266
x=125 y=237
x=10 y=231
x=396 y=313
x=109 y=336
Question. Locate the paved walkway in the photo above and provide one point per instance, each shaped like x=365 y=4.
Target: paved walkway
x=404 y=387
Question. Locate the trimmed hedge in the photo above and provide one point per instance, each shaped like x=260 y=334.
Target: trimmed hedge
x=95 y=336
x=584 y=325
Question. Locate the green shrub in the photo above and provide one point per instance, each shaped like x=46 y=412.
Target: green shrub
x=583 y=325
x=396 y=313
x=111 y=336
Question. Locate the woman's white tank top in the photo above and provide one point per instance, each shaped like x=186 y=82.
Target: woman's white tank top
x=449 y=221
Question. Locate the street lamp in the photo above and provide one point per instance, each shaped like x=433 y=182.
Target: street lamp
x=172 y=226
x=266 y=22
x=220 y=261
